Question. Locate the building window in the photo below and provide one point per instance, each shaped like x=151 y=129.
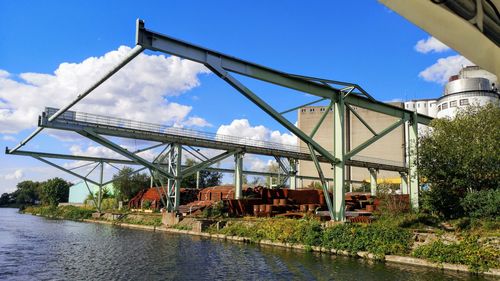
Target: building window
x=453 y=103
x=464 y=102
x=444 y=106
x=425 y=105
x=439 y=108
x=413 y=105
x=322 y=109
x=418 y=105
x=311 y=109
x=303 y=110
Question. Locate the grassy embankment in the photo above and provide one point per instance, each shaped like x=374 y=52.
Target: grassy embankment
x=81 y=213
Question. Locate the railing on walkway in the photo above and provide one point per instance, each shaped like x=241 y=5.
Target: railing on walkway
x=101 y=120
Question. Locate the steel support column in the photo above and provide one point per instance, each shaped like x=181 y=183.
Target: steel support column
x=178 y=175
x=412 y=161
x=292 y=173
x=339 y=153
x=238 y=175
x=404 y=183
x=373 y=182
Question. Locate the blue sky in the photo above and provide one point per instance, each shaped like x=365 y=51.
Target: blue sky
x=354 y=41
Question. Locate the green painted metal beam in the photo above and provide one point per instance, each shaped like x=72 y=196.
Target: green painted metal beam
x=65 y=170
x=324 y=184
x=200 y=166
x=163 y=43
x=300 y=106
x=361 y=119
x=120 y=150
x=320 y=121
x=267 y=108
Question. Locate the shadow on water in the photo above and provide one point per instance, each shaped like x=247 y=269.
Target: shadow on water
x=34 y=248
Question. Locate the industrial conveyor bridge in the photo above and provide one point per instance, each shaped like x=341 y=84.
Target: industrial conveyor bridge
x=124 y=128
x=167 y=169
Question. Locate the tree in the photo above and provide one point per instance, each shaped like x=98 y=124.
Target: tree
x=126 y=185
x=54 y=191
x=27 y=192
x=207 y=178
x=460 y=156
x=4 y=199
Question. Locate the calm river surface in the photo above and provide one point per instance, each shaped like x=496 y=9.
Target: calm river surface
x=34 y=248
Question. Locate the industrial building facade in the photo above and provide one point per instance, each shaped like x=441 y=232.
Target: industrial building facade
x=390 y=149
x=471 y=86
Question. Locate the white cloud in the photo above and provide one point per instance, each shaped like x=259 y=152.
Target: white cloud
x=139 y=91
x=197 y=121
x=241 y=128
x=8 y=138
x=16 y=175
x=430 y=44
x=444 y=68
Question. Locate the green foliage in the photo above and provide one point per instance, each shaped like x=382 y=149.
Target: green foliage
x=377 y=239
x=146 y=204
x=482 y=204
x=5 y=199
x=468 y=252
x=460 y=156
x=305 y=231
x=151 y=220
x=207 y=178
x=54 y=191
x=127 y=186
x=27 y=192
x=65 y=212
x=214 y=211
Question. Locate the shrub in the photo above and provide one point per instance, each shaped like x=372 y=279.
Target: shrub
x=377 y=239
x=482 y=204
x=467 y=252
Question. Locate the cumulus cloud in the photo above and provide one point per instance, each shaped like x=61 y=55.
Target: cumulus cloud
x=16 y=175
x=8 y=138
x=139 y=91
x=241 y=128
x=430 y=44
x=444 y=68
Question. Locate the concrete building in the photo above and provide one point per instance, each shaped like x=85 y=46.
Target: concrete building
x=390 y=149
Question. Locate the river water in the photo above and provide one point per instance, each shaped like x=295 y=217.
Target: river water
x=35 y=248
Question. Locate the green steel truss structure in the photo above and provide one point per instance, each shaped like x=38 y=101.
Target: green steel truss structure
x=167 y=170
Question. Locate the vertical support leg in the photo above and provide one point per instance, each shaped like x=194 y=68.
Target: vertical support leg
x=293 y=173
x=198 y=180
x=404 y=183
x=339 y=152
x=238 y=175
x=412 y=161
x=99 y=198
x=178 y=176
x=373 y=182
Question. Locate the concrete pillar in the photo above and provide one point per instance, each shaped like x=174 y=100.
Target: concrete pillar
x=404 y=183
x=178 y=176
x=412 y=161
x=339 y=152
x=373 y=182
x=293 y=174
x=238 y=175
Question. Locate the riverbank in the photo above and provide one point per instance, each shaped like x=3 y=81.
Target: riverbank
x=374 y=242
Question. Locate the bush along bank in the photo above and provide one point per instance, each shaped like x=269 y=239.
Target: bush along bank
x=377 y=239
x=83 y=213
x=62 y=212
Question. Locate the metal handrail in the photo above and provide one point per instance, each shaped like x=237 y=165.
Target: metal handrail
x=102 y=120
